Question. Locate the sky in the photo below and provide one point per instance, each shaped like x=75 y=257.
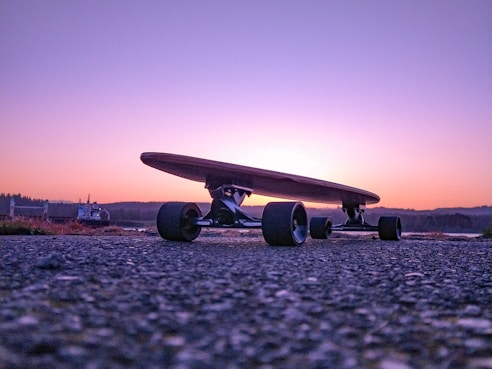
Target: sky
x=394 y=97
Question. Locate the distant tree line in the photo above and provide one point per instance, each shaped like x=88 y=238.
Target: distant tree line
x=474 y=221
x=451 y=223
x=132 y=214
x=413 y=221
x=22 y=200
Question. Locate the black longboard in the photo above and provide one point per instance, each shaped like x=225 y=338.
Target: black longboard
x=282 y=222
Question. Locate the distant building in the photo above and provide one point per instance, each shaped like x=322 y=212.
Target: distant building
x=92 y=214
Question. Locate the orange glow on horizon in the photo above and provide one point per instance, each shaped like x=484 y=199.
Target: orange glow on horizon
x=147 y=184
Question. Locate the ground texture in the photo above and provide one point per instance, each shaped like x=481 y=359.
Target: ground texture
x=346 y=302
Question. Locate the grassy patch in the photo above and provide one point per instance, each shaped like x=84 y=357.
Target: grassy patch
x=487 y=233
x=39 y=227
x=22 y=227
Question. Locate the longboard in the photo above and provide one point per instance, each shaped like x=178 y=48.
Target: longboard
x=261 y=181
x=282 y=223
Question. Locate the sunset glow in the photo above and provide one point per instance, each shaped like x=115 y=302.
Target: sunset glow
x=391 y=97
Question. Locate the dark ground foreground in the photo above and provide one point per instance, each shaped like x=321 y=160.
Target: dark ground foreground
x=347 y=302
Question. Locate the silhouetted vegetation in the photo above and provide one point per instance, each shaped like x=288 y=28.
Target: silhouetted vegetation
x=22 y=200
x=487 y=233
x=36 y=227
x=22 y=227
x=451 y=223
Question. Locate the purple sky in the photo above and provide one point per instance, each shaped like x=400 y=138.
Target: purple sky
x=391 y=96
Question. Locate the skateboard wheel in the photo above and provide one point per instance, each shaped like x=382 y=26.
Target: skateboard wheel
x=320 y=227
x=174 y=221
x=284 y=223
x=389 y=228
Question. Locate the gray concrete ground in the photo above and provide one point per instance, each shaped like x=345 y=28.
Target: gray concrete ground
x=347 y=302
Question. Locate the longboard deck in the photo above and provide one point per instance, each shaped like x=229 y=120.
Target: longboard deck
x=261 y=181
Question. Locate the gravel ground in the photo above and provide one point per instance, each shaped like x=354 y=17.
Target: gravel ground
x=345 y=302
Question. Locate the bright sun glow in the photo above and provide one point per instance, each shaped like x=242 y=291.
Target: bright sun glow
x=279 y=158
